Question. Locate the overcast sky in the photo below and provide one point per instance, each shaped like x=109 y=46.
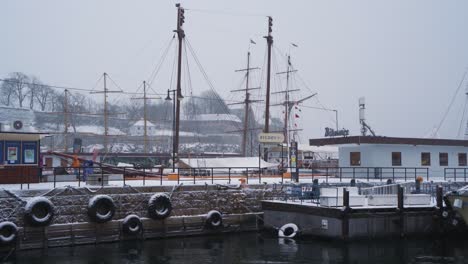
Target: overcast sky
x=406 y=57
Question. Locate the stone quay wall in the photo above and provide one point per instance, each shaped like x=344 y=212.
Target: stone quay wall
x=239 y=206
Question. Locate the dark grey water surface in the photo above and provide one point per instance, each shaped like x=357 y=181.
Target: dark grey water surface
x=253 y=248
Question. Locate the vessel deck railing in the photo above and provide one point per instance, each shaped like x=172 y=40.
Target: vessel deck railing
x=60 y=176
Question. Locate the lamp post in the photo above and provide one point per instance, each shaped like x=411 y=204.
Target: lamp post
x=174 y=133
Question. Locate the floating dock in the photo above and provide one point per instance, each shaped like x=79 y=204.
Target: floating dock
x=343 y=219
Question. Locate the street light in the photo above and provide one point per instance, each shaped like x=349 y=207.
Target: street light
x=168 y=98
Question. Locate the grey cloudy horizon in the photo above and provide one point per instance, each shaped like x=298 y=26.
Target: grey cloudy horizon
x=406 y=57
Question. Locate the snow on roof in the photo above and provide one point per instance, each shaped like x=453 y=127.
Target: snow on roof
x=237 y=162
x=214 y=117
x=168 y=132
x=318 y=149
x=141 y=123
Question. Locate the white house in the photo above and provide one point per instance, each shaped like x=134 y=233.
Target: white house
x=400 y=157
x=138 y=129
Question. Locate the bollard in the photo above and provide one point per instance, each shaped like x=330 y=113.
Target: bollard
x=400 y=198
x=346 y=199
x=439 y=197
x=400 y=210
x=346 y=210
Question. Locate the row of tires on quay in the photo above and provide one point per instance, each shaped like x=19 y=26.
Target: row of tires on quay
x=39 y=212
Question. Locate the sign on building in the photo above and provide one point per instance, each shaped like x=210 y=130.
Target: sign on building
x=271 y=137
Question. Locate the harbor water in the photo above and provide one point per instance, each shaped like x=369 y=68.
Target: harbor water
x=252 y=248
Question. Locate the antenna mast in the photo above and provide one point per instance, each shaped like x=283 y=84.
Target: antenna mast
x=362 y=118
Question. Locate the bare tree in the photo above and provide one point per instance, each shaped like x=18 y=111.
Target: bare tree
x=77 y=103
x=7 y=90
x=43 y=94
x=33 y=87
x=20 y=86
x=56 y=102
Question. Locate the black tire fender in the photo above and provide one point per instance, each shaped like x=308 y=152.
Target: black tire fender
x=214 y=219
x=101 y=208
x=8 y=232
x=159 y=206
x=39 y=211
x=132 y=225
x=289 y=230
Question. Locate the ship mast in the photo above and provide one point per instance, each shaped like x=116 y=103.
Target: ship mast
x=145 y=115
x=65 y=120
x=246 y=103
x=269 y=39
x=180 y=36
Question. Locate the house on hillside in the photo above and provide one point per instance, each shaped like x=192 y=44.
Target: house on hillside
x=138 y=129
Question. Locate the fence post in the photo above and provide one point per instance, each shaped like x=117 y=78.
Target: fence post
x=464 y=174
x=102 y=177
x=415 y=172
x=405 y=174
x=312 y=174
x=455 y=174
x=259 y=175
x=229 y=175
x=162 y=172
x=393 y=172
x=427 y=174
x=124 y=177
x=368 y=174
x=55 y=177
x=247 y=175
x=212 y=176
x=178 y=176
x=79 y=176
x=341 y=172
x=282 y=174
x=354 y=173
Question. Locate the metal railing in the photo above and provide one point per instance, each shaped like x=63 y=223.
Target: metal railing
x=370 y=173
x=455 y=174
x=122 y=176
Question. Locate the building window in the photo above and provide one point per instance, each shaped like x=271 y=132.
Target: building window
x=425 y=159
x=355 y=158
x=461 y=159
x=396 y=158
x=443 y=159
